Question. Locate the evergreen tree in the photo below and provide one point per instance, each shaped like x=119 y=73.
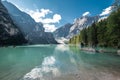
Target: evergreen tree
x=102 y=28
x=113 y=29
x=92 y=35
x=84 y=36
x=103 y=33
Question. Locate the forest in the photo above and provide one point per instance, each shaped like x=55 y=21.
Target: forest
x=105 y=33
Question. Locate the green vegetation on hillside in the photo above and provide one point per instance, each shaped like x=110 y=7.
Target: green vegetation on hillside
x=103 y=33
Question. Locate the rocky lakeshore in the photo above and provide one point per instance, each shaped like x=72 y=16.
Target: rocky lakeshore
x=100 y=50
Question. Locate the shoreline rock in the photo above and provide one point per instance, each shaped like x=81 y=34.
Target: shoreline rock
x=88 y=49
x=118 y=52
x=99 y=50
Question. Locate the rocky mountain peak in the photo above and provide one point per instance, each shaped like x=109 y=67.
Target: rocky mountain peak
x=69 y=30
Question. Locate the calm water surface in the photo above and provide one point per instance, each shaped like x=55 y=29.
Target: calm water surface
x=57 y=62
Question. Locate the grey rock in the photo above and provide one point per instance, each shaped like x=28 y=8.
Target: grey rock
x=62 y=31
x=24 y=21
x=33 y=31
x=69 y=30
x=118 y=52
x=38 y=37
x=9 y=33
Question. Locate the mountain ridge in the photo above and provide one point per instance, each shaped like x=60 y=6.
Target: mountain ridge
x=28 y=26
x=75 y=28
x=9 y=32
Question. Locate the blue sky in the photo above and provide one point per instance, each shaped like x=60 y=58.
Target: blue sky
x=59 y=12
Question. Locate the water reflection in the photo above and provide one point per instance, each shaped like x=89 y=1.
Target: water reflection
x=16 y=62
x=57 y=62
x=69 y=63
x=48 y=67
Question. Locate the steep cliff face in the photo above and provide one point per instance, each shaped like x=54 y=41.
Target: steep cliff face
x=24 y=21
x=9 y=33
x=33 y=31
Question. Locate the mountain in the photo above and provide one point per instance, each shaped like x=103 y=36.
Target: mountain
x=69 y=30
x=110 y=9
x=41 y=38
x=25 y=22
x=116 y=3
x=33 y=31
x=9 y=33
x=81 y=23
x=63 y=31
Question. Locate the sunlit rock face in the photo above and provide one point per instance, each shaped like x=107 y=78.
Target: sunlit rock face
x=81 y=23
x=9 y=33
x=69 y=30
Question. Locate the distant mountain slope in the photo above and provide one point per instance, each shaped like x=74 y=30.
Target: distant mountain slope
x=81 y=23
x=33 y=32
x=9 y=33
x=41 y=38
x=63 y=31
x=69 y=30
x=116 y=3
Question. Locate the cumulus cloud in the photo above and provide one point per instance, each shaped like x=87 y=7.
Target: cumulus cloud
x=56 y=18
x=40 y=16
x=86 y=14
x=106 y=11
x=49 y=27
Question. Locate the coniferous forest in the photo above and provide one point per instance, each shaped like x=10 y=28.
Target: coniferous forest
x=105 y=33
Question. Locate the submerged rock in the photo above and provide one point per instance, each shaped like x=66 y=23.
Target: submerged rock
x=118 y=52
x=89 y=49
x=100 y=50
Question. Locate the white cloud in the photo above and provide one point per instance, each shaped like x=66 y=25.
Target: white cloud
x=86 y=14
x=56 y=19
x=49 y=27
x=40 y=16
x=106 y=11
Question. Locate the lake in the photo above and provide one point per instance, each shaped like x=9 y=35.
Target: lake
x=57 y=62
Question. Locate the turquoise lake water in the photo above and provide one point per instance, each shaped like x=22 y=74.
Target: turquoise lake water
x=57 y=62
